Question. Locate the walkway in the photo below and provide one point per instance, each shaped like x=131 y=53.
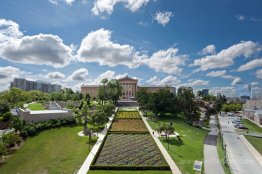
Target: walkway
x=86 y=165
x=212 y=164
x=171 y=163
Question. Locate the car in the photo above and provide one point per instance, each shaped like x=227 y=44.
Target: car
x=237 y=125
x=230 y=114
x=242 y=127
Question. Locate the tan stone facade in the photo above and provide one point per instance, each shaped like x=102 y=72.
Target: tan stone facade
x=129 y=87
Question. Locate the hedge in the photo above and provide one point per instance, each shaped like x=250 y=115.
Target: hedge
x=96 y=167
x=32 y=129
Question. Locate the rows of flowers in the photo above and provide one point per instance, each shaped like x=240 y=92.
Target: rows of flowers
x=128 y=125
x=127 y=114
x=130 y=149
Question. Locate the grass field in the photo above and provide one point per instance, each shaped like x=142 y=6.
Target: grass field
x=256 y=142
x=252 y=127
x=36 y=106
x=183 y=153
x=128 y=172
x=221 y=155
x=58 y=150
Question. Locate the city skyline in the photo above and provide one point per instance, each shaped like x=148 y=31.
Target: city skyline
x=179 y=43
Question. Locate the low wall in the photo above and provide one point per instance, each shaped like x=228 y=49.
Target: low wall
x=32 y=118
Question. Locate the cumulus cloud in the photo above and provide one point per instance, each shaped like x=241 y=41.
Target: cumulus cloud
x=259 y=74
x=7 y=74
x=41 y=49
x=197 y=82
x=229 y=77
x=98 y=47
x=228 y=91
x=216 y=73
x=107 y=6
x=163 y=18
x=167 y=61
x=209 y=49
x=168 y=80
x=236 y=81
x=79 y=75
x=55 y=75
x=69 y=2
x=226 y=57
x=250 y=65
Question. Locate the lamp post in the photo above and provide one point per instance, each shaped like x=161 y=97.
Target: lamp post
x=222 y=140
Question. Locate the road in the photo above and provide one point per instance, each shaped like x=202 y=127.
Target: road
x=240 y=158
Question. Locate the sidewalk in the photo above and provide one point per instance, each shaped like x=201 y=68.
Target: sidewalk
x=86 y=165
x=212 y=164
x=171 y=163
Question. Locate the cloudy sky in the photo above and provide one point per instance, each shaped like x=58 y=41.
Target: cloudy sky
x=203 y=44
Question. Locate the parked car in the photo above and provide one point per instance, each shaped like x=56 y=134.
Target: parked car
x=230 y=114
x=241 y=127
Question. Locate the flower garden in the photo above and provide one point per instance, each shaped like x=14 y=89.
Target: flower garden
x=128 y=125
x=127 y=114
x=128 y=146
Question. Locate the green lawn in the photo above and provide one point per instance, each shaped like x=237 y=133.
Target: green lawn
x=221 y=155
x=256 y=142
x=58 y=150
x=252 y=127
x=128 y=172
x=36 y=106
x=183 y=153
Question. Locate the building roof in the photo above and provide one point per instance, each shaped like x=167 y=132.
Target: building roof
x=48 y=112
x=127 y=78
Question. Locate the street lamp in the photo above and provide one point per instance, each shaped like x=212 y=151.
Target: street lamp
x=222 y=140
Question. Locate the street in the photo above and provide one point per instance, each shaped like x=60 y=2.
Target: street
x=240 y=159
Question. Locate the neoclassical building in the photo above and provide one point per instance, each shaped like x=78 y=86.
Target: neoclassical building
x=129 y=86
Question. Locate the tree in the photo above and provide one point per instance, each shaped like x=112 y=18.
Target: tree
x=7 y=116
x=4 y=106
x=185 y=100
x=99 y=118
x=109 y=91
x=142 y=97
x=167 y=129
x=220 y=100
x=108 y=109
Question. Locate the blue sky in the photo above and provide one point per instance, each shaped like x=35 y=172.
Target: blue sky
x=203 y=44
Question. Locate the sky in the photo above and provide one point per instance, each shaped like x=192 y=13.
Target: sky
x=202 y=44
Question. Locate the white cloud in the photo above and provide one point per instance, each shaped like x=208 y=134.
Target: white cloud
x=55 y=75
x=7 y=74
x=197 y=82
x=69 y=2
x=98 y=47
x=254 y=84
x=163 y=17
x=259 y=74
x=236 y=81
x=229 y=77
x=226 y=57
x=107 y=6
x=79 y=75
x=241 y=17
x=168 y=80
x=166 y=61
x=41 y=49
x=209 y=49
x=107 y=75
x=216 y=73
x=250 y=65
x=228 y=91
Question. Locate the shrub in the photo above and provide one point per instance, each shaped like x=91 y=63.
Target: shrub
x=7 y=116
x=11 y=139
x=3 y=149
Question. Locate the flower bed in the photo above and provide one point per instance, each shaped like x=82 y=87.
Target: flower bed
x=129 y=150
x=127 y=114
x=128 y=125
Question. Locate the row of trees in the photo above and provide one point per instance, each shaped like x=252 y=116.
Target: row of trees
x=233 y=107
x=164 y=101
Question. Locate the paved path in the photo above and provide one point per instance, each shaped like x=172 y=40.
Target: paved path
x=212 y=164
x=171 y=163
x=85 y=167
x=240 y=158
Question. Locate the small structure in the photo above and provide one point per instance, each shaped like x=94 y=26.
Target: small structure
x=252 y=109
x=198 y=166
x=44 y=115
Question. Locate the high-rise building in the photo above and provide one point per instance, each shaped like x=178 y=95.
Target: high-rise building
x=35 y=85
